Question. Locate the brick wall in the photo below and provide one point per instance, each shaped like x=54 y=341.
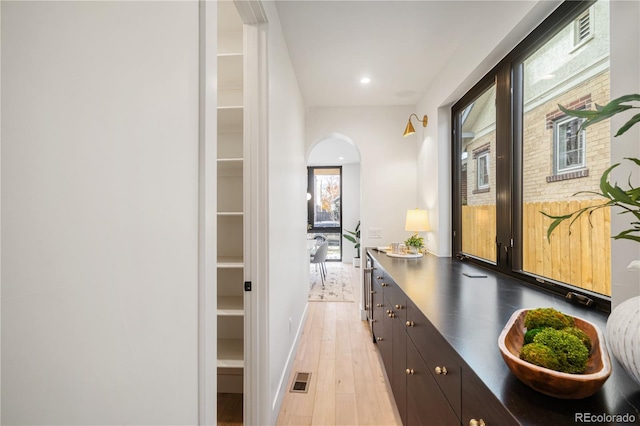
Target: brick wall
x=539 y=181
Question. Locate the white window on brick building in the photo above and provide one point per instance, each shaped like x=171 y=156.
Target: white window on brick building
x=482 y=170
x=569 y=145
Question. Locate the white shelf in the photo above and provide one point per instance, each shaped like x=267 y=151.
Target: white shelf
x=230 y=262
x=230 y=214
x=230 y=353
x=230 y=54
x=230 y=306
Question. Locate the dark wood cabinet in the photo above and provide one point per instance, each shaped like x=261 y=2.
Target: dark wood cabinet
x=425 y=404
x=442 y=361
x=425 y=373
x=399 y=367
x=447 y=318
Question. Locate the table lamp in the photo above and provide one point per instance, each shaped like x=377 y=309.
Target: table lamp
x=417 y=221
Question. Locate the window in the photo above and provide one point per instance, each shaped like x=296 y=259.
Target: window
x=324 y=207
x=483 y=170
x=477 y=126
x=531 y=158
x=569 y=142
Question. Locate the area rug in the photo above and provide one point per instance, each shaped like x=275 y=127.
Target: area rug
x=337 y=285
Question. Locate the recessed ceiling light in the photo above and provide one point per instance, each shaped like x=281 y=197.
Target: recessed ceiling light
x=340 y=158
x=365 y=80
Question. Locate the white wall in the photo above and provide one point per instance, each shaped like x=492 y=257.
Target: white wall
x=99 y=212
x=350 y=206
x=625 y=79
x=288 y=259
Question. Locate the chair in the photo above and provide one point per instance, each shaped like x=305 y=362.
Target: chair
x=320 y=239
x=319 y=257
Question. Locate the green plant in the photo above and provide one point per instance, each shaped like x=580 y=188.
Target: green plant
x=571 y=353
x=547 y=317
x=415 y=241
x=541 y=355
x=553 y=341
x=354 y=237
x=584 y=338
x=628 y=200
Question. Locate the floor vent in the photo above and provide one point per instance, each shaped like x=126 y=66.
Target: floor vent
x=301 y=382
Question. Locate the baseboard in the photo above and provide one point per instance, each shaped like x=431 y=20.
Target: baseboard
x=286 y=373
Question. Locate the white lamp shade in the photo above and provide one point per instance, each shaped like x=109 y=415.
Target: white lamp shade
x=417 y=221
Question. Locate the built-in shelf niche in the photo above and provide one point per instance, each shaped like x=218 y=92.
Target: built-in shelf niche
x=230 y=216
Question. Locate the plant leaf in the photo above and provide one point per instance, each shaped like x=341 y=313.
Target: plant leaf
x=634 y=120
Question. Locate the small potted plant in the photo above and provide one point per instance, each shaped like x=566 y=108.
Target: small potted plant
x=354 y=237
x=414 y=243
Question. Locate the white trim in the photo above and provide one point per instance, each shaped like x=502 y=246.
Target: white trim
x=207 y=205
x=256 y=375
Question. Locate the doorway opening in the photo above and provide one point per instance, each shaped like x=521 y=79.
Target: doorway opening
x=324 y=208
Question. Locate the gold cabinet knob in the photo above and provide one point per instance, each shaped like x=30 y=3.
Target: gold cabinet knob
x=383 y=284
x=388 y=311
x=379 y=339
x=442 y=370
x=392 y=314
x=399 y=306
x=410 y=323
x=474 y=422
x=409 y=371
x=379 y=277
x=379 y=305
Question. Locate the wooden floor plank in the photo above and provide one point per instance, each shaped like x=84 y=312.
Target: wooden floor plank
x=346 y=412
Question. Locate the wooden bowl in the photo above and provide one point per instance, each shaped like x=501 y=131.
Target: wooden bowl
x=550 y=382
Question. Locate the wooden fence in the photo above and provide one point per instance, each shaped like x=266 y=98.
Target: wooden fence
x=581 y=257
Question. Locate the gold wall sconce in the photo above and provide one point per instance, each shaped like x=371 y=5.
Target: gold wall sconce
x=409 y=130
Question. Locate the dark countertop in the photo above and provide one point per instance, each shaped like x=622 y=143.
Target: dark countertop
x=469 y=312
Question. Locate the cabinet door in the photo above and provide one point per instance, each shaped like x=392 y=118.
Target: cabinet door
x=426 y=404
x=480 y=404
x=398 y=372
x=444 y=363
x=377 y=310
x=385 y=340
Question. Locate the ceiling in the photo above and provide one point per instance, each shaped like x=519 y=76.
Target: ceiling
x=400 y=45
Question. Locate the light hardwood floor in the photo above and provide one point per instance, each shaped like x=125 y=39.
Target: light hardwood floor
x=348 y=384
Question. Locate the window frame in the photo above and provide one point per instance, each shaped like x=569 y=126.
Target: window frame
x=508 y=76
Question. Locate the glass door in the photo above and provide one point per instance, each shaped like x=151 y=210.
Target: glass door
x=324 y=217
